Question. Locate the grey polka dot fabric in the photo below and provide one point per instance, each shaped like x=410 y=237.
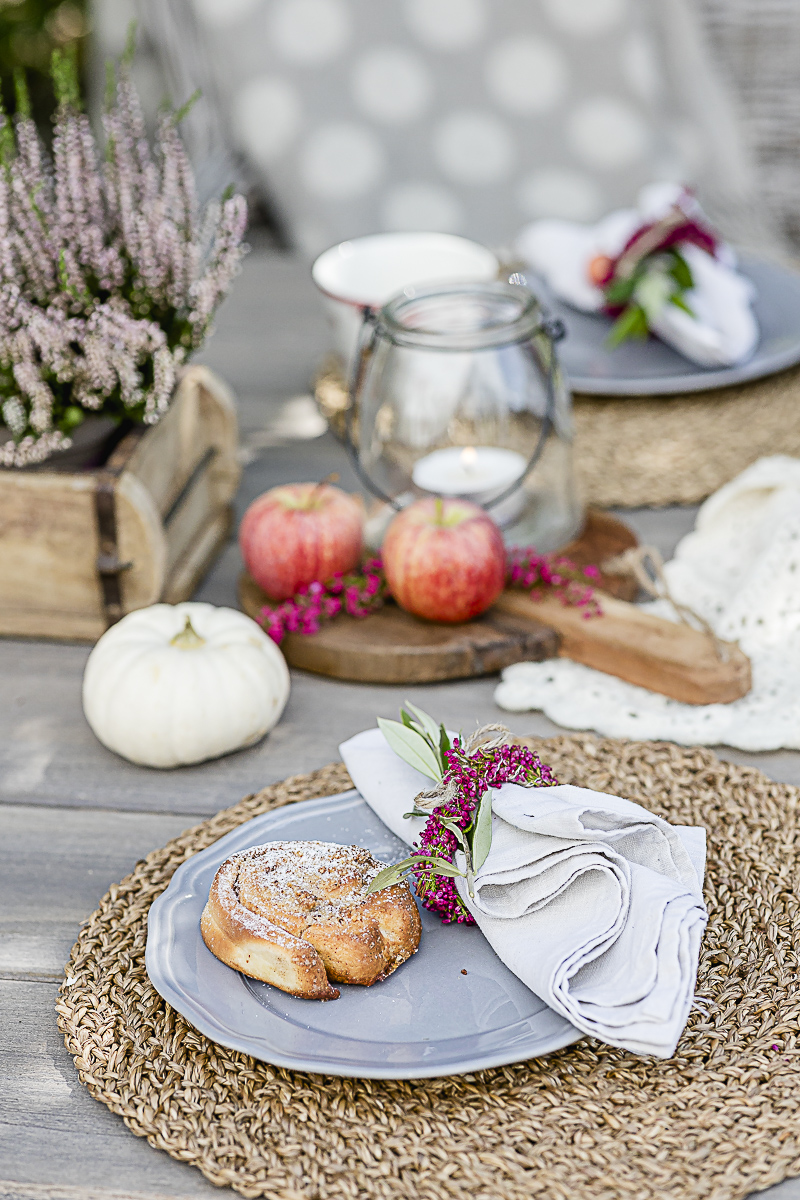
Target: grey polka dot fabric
x=469 y=116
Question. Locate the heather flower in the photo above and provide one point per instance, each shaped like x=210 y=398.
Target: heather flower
x=364 y=592
x=467 y=777
x=109 y=274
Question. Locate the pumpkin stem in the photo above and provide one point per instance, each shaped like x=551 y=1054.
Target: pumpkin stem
x=188 y=638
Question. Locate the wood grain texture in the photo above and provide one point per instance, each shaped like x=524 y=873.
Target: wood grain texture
x=391 y=646
x=56 y=870
x=53 y=1135
x=643 y=649
x=56 y=1143
x=174 y=492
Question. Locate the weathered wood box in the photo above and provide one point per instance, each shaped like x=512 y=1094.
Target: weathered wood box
x=79 y=550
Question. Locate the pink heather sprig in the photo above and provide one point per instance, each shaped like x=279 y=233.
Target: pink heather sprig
x=364 y=592
x=109 y=275
x=356 y=594
x=471 y=776
x=540 y=573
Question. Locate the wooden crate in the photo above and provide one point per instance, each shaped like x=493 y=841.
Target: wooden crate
x=78 y=550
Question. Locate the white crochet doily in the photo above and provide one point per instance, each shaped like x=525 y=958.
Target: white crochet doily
x=740 y=569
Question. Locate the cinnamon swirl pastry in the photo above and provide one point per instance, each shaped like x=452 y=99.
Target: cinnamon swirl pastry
x=296 y=915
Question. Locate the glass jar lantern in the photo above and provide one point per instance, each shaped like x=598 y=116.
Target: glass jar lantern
x=457 y=392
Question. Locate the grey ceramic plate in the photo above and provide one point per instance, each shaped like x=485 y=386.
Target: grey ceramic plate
x=426 y=1019
x=652 y=368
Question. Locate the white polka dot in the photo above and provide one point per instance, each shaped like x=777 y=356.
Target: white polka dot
x=585 y=16
x=309 y=31
x=418 y=207
x=391 y=84
x=267 y=116
x=640 y=67
x=341 y=160
x=557 y=192
x=473 y=147
x=606 y=132
x=220 y=13
x=526 y=75
x=446 y=24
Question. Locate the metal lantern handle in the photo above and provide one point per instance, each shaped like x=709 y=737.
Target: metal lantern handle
x=554 y=330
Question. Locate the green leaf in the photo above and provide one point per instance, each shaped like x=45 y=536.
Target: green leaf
x=680 y=270
x=416 y=812
x=445 y=745
x=620 y=291
x=186 y=108
x=631 y=323
x=411 y=747
x=21 y=93
x=129 y=53
x=482 y=832
x=425 y=722
x=389 y=876
x=393 y=874
x=679 y=302
x=456 y=830
x=440 y=866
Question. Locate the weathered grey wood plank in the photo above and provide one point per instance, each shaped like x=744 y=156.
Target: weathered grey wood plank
x=53 y=1134
x=56 y=866
x=9 y=1190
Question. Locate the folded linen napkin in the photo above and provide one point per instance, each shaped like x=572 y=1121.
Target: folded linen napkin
x=593 y=902
x=721 y=329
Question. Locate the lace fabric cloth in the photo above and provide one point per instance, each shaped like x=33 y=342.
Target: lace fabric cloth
x=740 y=569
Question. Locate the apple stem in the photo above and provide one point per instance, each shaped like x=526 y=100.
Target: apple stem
x=333 y=477
x=439 y=510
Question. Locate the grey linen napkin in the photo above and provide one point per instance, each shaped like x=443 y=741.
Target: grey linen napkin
x=592 y=901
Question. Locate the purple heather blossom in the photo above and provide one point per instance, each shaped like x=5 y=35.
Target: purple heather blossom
x=469 y=776
x=109 y=276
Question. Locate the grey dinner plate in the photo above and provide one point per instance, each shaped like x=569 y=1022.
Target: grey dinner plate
x=651 y=368
x=426 y=1019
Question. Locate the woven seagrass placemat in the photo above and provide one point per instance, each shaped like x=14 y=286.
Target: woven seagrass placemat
x=655 y=450
x=719 y=1120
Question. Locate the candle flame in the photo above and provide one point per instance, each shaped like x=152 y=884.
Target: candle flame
x=469 y=457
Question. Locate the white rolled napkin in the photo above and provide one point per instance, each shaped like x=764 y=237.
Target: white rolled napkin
x=720 y=331
x=593 y=902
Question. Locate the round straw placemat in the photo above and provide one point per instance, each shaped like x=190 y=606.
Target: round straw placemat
x=655 y=450
x=720 y=1119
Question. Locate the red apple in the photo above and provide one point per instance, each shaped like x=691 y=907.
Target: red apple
x=295 y=534
x=444 y=559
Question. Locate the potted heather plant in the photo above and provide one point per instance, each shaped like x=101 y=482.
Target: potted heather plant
x=109 y=273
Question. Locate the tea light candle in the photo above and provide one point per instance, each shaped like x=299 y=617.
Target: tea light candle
x=474 y=472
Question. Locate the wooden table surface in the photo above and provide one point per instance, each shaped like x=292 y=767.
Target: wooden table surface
x=74 y=818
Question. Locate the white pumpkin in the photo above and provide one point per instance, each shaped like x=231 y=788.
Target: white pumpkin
x=176 y=684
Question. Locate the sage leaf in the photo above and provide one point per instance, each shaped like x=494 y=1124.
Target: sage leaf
x=456 y=830
x=630 y=323
x=412 y=748
x=482 y=834
x=389 y=876
x=393 y=874
x=426 y=722
x=440 y=866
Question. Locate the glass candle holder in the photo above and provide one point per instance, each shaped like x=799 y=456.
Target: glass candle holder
x=457 y=391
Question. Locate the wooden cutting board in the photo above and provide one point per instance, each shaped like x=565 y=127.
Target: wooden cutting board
x=393 y=647
x=633 y=645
